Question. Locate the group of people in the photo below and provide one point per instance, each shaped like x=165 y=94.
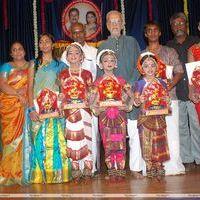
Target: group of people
x=55 y=112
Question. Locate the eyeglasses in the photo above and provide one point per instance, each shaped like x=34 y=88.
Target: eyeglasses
x=114 y=22
x=178 y=23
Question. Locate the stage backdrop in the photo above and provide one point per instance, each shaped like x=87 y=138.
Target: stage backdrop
x=55 y=17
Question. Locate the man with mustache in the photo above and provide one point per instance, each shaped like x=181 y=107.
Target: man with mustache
x=189 y=129
x=127 y=51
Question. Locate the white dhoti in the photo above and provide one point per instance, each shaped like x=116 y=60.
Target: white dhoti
x=136 y=162
x=174 y=165
x=96 y=141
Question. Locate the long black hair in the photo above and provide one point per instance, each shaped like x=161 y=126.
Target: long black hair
x=39 y=59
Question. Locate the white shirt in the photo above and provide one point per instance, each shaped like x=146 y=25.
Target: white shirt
x=89 y=62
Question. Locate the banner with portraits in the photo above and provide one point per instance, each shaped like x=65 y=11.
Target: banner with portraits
x=85 y=12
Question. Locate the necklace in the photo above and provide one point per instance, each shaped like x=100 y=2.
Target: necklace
x=111 y=76
x=75 y=71
x=19 y=66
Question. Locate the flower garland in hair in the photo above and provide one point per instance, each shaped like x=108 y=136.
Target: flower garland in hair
x=123 y=16
x=35 y=27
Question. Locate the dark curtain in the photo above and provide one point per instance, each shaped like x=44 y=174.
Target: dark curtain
x=53 y=15
x=20 y=27
x=194 y=16
x=163 y=11
x=136 y=16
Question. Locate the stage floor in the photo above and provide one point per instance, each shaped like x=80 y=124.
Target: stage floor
x=175 y=187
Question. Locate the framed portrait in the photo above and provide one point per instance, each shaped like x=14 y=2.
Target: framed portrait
x=87 y=13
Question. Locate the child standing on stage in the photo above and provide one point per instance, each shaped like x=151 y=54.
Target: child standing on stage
x=112 y=119
x=152 y=128
x=75 y=83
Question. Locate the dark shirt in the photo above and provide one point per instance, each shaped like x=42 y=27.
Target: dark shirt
x=182 y=89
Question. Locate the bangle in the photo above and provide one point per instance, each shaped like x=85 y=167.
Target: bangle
x=31 y=109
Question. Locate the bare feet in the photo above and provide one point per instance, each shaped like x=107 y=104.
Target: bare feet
x=137 y=175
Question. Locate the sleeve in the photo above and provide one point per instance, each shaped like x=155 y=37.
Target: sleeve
x=192 y=48
x=61 y=66
x=89 y=78
x=136 y=53
x=138 y=86
x=175 y=62
x=5 y=70
x=164 y=84
x=121 y=80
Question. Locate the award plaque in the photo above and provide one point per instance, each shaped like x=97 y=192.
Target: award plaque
x=47 y=104
x=193 y=73
x=110 y=92
x=74 y=91
x=157 y=102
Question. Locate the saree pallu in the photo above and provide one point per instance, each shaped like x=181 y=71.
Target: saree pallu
x=153 y=138
x=50 y=163
x=112 y=125
x=12 y=116
x=78 y=133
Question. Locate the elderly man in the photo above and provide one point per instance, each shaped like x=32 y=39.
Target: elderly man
x=89 y=63
x=189 y=128
x=169 y=57
x=127 y=50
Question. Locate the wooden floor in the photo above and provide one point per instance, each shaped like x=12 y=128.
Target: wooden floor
x=179 y=187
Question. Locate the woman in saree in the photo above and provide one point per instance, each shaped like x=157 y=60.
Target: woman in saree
x=50 y=163
x=13 y=101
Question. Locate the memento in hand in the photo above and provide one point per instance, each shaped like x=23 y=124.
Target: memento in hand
x=193 y=73
x=110 y=92
x=74 y=91
x=157 y=99
x=47 y=104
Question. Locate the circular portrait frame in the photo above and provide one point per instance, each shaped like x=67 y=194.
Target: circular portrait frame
x=78 y=11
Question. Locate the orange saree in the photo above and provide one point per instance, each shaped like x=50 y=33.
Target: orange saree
x=12 y=120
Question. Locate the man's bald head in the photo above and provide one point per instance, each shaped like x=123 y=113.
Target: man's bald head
x=78 y=33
